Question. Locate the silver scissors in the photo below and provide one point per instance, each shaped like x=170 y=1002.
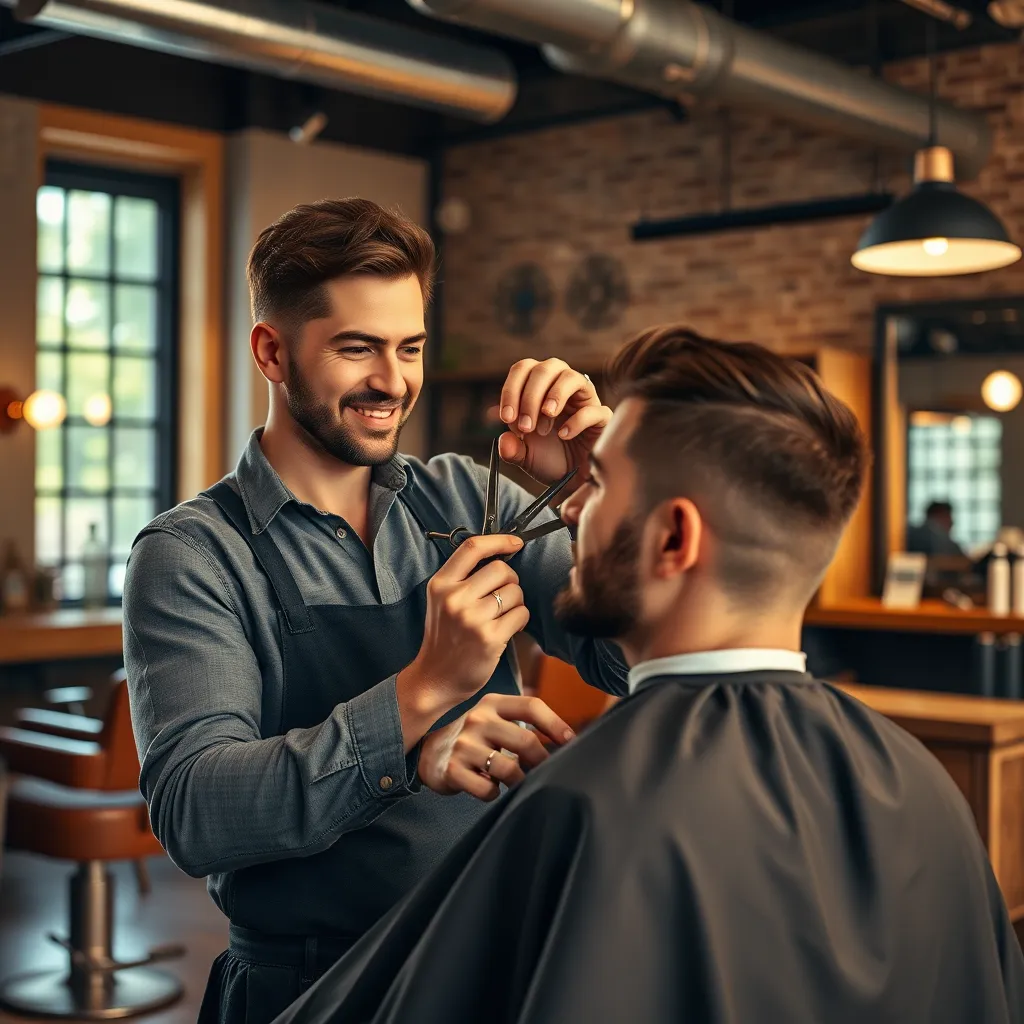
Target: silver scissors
x=518 y=526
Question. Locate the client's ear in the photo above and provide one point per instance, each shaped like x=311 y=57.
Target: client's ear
x=679 y=535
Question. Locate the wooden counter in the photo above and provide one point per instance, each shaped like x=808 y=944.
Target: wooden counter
x=60 y=635
x=928 y=617
x=980 y=742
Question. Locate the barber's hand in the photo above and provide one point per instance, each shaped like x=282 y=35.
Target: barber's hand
x=465 y=634
x=553 y=418
x=453 y=759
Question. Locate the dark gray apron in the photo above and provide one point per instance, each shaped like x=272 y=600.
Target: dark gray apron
x=291 y=919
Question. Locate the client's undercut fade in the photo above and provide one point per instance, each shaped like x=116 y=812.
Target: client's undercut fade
x=314 y=243
x=775 y=463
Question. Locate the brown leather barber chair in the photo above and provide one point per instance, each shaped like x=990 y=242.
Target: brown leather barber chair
x=75 y=796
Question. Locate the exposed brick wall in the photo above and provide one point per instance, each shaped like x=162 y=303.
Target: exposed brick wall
x=556 y=195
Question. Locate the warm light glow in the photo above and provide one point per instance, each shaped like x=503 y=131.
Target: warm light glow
x=961 y=424
x=97 y=409
x=911 y=258
x=1001 y=390
x=44 y=410
x=935 y=246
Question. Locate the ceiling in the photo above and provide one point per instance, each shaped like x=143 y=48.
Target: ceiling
x=126 y=80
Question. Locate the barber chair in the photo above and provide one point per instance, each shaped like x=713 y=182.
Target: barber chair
x=74 y=796
x=75 y=725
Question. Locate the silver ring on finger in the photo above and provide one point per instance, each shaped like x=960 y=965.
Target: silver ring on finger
x=497 y=597
x=490 y=757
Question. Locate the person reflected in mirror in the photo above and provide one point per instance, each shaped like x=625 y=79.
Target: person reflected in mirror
x=935 y=535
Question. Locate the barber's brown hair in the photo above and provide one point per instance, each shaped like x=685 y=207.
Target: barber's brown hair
x=774 y=461
x=296 y=255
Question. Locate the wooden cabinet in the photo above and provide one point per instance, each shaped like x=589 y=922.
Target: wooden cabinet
x=980 y=742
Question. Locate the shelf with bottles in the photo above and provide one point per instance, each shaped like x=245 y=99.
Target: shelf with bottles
x=24 y=589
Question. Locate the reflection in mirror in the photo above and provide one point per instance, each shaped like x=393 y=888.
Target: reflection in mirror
x=954 y=429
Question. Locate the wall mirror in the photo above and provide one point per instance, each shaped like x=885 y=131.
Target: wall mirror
x=949 y=479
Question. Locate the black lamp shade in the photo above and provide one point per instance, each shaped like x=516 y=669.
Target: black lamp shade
x=935 y=231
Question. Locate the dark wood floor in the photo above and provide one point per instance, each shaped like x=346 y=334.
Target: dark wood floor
x=33 y=901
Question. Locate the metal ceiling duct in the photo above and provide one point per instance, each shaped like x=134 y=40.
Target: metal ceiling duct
x=305 y=41
x=681 y=50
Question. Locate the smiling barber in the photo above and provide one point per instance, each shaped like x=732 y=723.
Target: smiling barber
x=316 y=687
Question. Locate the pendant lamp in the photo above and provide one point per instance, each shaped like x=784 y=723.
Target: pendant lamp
x=936 y=230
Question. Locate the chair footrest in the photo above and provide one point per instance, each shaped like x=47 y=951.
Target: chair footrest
x=105 y=965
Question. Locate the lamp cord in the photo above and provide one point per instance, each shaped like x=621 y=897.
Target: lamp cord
x=726 y=197
x=933 y=78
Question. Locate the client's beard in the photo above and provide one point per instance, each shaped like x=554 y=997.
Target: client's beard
x=325 y=427
x=605 y=599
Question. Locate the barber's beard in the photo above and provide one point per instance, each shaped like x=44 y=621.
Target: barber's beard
x=604 y=599
x=356 y=446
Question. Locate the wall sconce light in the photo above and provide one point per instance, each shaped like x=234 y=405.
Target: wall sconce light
x=98 y=409
x=42 y=410
x=1002 y=390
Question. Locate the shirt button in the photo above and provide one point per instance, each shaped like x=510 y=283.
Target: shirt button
x=341 y=533
x=387 y=782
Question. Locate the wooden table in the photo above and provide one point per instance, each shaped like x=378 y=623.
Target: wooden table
x=980 y=742
x=60 y=635
x=928 y=617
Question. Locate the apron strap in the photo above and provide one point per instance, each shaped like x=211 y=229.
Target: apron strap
x=272 y=562
x=426 y=513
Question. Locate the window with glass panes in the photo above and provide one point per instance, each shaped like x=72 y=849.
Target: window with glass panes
x=106 y=311
x=957 y=459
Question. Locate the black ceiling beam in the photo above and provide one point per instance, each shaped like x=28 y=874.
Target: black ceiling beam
x=762 y=216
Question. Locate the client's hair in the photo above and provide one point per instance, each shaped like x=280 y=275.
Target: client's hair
x=773 y=461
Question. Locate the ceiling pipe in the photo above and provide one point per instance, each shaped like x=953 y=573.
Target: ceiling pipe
x=682 y=51
x=305 y=41
x=955 y=16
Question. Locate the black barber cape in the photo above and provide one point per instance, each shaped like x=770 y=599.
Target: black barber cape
x=752 y=848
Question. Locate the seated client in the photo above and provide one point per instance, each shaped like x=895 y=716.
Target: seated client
x=736 y=841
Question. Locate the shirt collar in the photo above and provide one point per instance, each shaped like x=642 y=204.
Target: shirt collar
x=739 y=659
x=264 y=493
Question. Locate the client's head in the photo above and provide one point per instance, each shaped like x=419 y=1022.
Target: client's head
x=716 y=498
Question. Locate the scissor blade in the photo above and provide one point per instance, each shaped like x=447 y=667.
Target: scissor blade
x=543 y=530
x=491 y=499
x=529 y=513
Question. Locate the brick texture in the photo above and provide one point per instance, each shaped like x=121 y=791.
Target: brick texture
x=557 y=195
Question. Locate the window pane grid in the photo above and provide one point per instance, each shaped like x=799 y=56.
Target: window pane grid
x=104 y=338
x=957 y=460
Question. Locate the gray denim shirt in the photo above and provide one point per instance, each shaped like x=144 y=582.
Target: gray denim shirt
x=203 y=655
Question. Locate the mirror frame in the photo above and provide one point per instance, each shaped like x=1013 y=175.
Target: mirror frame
x=884 y=390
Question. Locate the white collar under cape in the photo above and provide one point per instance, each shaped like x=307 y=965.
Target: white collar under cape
x=739 y=659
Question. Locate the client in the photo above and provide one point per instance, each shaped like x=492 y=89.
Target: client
x=736 y=841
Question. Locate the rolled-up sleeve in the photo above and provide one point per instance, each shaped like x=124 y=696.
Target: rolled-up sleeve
x=222 y=797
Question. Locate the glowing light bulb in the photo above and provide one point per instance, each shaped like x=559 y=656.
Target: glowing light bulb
x=1002 y=390
x=97 y=409
x=935 y=246
x=44 y=410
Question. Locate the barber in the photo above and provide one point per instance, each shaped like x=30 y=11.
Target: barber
x=321 y=694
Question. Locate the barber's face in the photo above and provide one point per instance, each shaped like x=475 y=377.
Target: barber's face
x=603 y=597
x=353 y=376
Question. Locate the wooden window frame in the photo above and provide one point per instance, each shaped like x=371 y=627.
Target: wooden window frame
x=196 y=158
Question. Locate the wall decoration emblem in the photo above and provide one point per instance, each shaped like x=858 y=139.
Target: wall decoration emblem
x=598 y=292
x=523 y=300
